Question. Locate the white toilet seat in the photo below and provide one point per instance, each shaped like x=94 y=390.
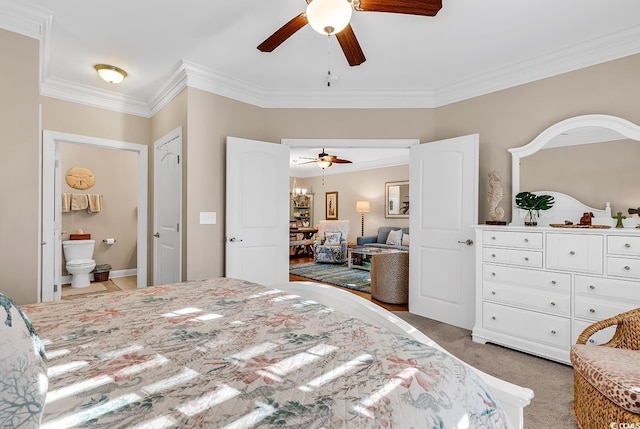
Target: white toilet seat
x=79 y=263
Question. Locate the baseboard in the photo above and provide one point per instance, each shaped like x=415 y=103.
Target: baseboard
x=112 y=275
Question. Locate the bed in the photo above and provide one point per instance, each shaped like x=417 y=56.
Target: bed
x=226 y=353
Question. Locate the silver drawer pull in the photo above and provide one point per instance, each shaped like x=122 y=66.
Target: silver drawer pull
x=626 y=267
x=493 y=292
x=553 y=282
x=572 y=253
x=526 y=240
x=592 y=287
x=493 y=237
x=493 y=317
x=553 y=331
x=493 y=274
x=553 y=304
x=526 y=258
x=592 y=310
x=493 y=255
x=627 y=245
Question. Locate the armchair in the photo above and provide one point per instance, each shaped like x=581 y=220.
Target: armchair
x=606 y=377
x=331 y=242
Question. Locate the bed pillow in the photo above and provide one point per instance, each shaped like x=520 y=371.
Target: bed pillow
x=332 y=238
x=395 y=237
x=405 y=239
x=23 y=369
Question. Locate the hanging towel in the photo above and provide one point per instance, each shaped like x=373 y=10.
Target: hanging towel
x=79 y=202
x=95 y=204
x=66 y=202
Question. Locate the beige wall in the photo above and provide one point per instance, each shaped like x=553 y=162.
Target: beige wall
x=211 y=119
x=514 y=117
x=116 y=179
x=367 y=185
x=19 y=167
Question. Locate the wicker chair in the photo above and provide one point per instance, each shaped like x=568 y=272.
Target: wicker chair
x=606 y=377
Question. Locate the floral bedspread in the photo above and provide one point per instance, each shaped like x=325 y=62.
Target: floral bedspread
x=228 y=353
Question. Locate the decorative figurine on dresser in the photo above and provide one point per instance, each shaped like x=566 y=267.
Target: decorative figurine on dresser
x=538 y=288
x=496 y=193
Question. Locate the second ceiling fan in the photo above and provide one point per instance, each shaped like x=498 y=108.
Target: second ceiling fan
x=324 y=160
x=320 y=14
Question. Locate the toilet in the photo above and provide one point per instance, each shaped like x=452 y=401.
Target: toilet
x=78 y=254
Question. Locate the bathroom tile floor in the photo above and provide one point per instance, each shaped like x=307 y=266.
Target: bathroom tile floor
x=112 y=285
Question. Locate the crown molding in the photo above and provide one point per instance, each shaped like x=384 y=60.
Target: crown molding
x=36 y=23
x=90 y=96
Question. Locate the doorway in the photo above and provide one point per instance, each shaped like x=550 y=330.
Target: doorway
x=51 y=196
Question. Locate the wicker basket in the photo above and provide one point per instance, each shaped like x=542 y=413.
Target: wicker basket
x=102 y=276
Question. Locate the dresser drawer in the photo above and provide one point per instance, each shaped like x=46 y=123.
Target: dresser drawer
x=605 y=288
x=560 y=282
x=525 y=240
x=525 y=258
x=541 y=328
x=621 y=245
x=575 y=252
x=533 y=299
x=599 y=309
x=600 y=337
x=623 y=267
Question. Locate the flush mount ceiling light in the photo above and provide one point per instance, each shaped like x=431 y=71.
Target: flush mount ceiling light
x=329 y=16
x=111 y=74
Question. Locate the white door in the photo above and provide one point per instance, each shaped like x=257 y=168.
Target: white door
x=257 y=211
x=444 y=186
x=167 y=174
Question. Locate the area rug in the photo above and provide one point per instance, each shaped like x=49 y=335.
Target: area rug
x=92 y=288
x=339 y=275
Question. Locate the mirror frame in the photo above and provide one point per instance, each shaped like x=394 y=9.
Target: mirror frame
x=388 y=215
x=622 y=126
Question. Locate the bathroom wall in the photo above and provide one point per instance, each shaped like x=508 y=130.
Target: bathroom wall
x=116 y=175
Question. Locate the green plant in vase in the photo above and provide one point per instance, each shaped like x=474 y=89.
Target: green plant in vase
x=533 y=203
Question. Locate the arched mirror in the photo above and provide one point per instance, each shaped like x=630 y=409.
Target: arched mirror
x=591 y=158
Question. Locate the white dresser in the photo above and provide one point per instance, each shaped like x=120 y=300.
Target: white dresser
x=538 y=288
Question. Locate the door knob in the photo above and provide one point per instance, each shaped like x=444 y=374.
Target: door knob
x=235 y=240
x=468 y=242
x=157 y=235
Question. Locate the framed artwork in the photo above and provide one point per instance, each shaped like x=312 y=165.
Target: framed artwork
x=331 y=205
x=299 y=224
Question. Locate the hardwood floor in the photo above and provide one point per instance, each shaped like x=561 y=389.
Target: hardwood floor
x=367 y=296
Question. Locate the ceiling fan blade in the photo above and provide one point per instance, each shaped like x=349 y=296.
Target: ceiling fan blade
x=350 y=46
x=308 y=162
x=341 y=161
x=409 y=7
x=283 y=33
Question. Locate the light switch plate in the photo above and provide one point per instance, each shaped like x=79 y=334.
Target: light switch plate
x=207 y=218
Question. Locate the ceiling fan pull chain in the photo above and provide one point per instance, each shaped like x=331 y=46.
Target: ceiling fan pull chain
x=328 y=60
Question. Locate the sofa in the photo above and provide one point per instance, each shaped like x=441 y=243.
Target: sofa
x=382 y=238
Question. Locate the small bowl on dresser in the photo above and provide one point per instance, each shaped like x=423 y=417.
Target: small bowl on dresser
x=608 y=221
x=631 y=222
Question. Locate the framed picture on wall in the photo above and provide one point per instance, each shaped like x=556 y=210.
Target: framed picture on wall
x=331 y=205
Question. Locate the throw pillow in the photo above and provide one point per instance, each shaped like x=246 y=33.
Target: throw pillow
x=405 y=239
x=332 y=238
x=395 y=237
x=23 y=369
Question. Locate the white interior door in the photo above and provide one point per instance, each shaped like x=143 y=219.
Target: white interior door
x=444 y=186
x=167 y=175
x=257 y=211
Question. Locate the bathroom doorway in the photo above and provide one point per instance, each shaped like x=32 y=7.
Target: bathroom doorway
x=51 y=265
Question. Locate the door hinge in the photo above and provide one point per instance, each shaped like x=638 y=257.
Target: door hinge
x=178 y=159
x=177 y=227
x=55 y=288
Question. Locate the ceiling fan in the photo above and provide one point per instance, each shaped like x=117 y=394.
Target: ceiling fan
x=324 y=160
x=332 y=17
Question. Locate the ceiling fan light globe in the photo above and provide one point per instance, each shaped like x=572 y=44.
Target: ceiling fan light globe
x=324 y=164
x=329 y=16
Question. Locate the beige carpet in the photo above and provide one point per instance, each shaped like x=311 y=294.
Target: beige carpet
x=551 y=382
x=92 y=288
